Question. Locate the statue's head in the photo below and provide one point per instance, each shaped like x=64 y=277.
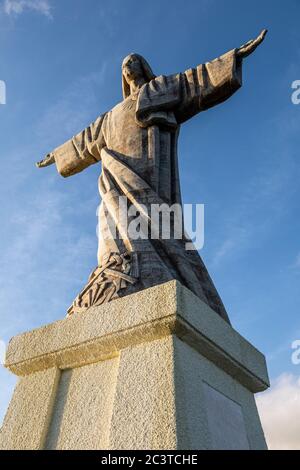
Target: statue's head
x=135 y=67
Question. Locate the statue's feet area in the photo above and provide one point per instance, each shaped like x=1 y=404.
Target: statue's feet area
x=106 y=281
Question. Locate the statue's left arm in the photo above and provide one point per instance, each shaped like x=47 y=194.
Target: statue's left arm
x=79 y=152
x=213 y=82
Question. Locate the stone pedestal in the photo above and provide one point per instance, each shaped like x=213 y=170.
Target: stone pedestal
x=155 y=370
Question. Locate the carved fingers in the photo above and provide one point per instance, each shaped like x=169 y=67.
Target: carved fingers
x=48 y=160
x=251 y=45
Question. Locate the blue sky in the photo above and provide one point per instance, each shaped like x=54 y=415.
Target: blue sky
x=61 y=62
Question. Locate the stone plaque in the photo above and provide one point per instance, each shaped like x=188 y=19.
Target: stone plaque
x=225 y=421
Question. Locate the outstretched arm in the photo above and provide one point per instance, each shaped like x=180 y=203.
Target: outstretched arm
x=212 y=83
x=79 y=152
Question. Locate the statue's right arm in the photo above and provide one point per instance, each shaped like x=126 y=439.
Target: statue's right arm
x=79 y=152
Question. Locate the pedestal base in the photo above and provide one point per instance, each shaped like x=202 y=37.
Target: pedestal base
x=155 y=370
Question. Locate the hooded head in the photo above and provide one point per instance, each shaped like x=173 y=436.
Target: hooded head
x=133 y=65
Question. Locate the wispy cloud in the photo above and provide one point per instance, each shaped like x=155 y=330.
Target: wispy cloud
x=264 y=200
x=41 y=238
x=279 y=409
x=296 y=264
x=17 y=7
x=76 y=107
x=236 y=238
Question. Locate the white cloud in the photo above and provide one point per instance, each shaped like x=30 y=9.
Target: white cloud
x=18 y=7
x=279 y=409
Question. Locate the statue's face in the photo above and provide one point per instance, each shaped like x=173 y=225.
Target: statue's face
x=132 y=68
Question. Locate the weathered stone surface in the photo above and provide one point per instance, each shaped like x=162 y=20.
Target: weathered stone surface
x=132 y=374
x=83 y=407
x=145 y=316
x=27 y=420
x=145 y=400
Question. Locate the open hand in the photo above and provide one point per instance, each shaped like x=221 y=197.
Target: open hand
x=48 y=160
x=251 y=45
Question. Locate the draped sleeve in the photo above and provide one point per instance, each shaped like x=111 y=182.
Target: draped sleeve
x=208 y=85
x=171 y=100
x=82 y=150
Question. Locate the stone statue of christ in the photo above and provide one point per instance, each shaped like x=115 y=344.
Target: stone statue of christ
x=136 y=143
